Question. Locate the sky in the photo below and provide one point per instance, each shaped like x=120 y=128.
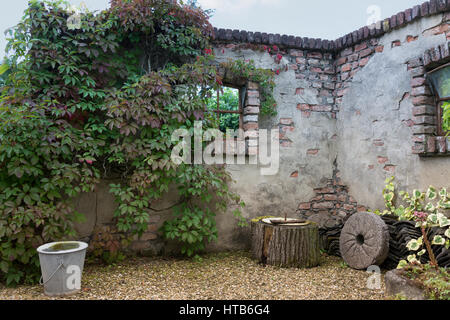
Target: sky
x=326 y=19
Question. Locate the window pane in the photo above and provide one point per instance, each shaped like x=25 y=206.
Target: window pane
x=229 y=121
x=229 y=99
x=441 y=82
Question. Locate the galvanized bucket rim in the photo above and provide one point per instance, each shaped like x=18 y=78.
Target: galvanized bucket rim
x=82 y=246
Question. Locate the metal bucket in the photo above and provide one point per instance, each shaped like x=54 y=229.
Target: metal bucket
x=62 y=266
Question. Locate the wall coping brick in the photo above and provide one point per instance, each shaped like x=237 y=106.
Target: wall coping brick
x=376 y=30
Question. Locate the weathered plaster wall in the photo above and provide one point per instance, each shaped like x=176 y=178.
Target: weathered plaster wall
x=345 y=121
x=375 y=122
x=307 y=147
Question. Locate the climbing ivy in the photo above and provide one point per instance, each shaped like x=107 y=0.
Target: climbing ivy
x=101 y=99
x=264 y=77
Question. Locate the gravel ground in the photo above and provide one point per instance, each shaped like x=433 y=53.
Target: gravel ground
x=222 y=276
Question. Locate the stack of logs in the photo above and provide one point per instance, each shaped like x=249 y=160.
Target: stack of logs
x=401 y=232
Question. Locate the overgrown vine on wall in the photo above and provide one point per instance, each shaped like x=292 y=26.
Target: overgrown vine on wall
x=102 y=100
x=264 y=77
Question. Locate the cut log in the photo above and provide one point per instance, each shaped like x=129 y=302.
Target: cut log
x=286 y=246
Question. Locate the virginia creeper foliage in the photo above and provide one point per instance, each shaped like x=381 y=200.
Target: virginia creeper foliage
x=101 y=101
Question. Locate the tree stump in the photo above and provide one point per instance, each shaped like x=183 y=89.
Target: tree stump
x=286 y=246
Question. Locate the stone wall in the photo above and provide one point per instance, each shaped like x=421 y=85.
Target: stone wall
x=351 y=112
x=378 y=124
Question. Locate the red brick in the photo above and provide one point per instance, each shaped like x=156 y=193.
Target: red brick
x=345 y=76
x=312 y=152
x=341 y=61
x=295 y=175
x=431 y=144
x=316 y=55
x=296 y=53
x=366 y=52
x=347 y=52
x=286 y=129
x=417 y=72
x=330 y=197
x=286 y=144
x=396 y=43
x=346 y=67
x=353 y=57
x=379 y=49
x=250 y=126
x=253 y=93
x=324 y=190
x=322 y=108
x=361 y=46
x=303 y=107
x=382 y=160
x=421 y=100
x=389 y=168
x=416 y=82
x=323 y=205
x=421 y=91
x=363 y=62
x=411 y=38
x=378 y=143
x=354 y=71
x=437 y=30
x=349 y=207
x=299 y=91
x=304 y=206
x=251 y=110
x=325 y=93
x=286 y=121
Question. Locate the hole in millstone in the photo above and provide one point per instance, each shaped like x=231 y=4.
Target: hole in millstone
x=360 y=239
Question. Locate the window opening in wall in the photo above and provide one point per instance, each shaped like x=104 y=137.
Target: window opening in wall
x=439 y=79
x=226 y=103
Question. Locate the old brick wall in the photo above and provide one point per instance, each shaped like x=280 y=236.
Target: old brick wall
x=351 y=112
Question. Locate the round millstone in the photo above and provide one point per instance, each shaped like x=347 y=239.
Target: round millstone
x=364 y=241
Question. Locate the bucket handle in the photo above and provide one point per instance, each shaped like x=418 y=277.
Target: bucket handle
x=61 y=264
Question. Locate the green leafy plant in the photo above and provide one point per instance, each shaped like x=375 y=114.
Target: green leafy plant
x=102 y=101
x=446 y=116
x=229 y=101
x=264 y=77
x=424 y=208
x=434 y=282
x=106 y=243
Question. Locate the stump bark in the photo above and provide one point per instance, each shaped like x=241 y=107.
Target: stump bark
x=286 y=245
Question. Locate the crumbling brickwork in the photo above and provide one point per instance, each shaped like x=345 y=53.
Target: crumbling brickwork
x=332 y=204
